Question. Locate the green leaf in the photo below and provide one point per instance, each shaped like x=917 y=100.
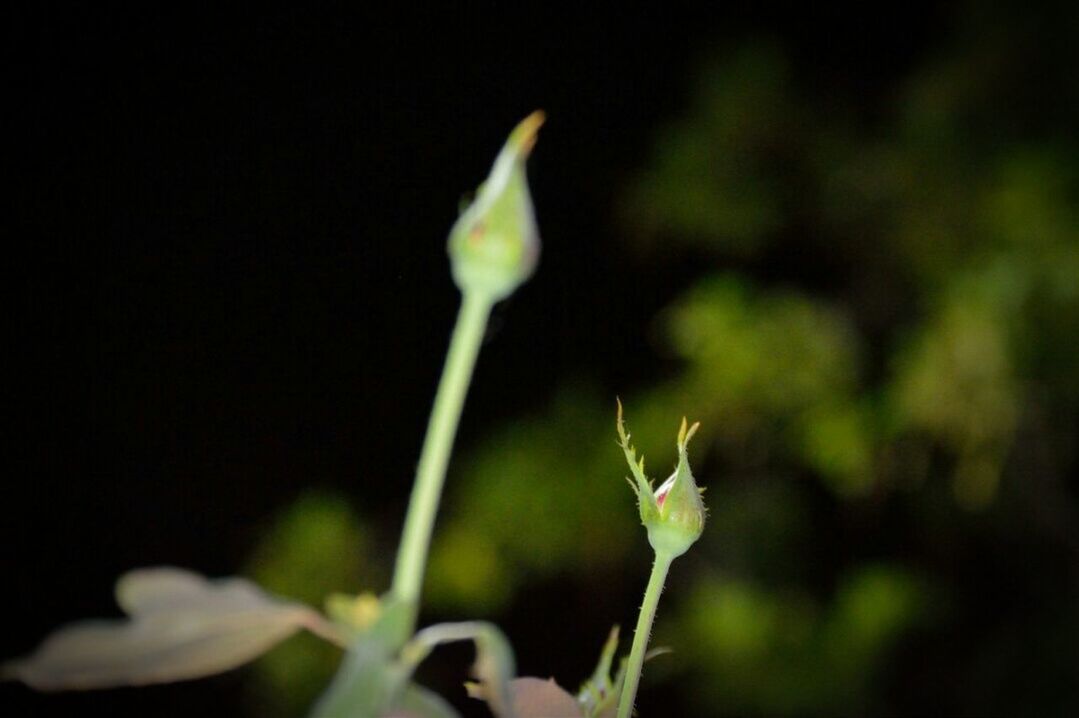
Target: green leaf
x=181 y=626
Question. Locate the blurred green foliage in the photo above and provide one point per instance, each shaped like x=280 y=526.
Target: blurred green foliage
x=883 y=352
x=315 y=548
x=756 y=650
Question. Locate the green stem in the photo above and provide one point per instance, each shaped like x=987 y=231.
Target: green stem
x=644 y=629
x=437 y=445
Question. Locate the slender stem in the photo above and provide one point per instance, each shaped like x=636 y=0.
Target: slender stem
x=441 y=430
x=644 y=629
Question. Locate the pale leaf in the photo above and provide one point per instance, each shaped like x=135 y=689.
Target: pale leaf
x=538 y=698
x=181 y=626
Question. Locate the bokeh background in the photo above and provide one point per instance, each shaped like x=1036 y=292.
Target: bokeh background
x=845 y=239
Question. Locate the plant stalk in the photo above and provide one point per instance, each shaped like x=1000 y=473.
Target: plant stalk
x=437 y=445
x=644 y=629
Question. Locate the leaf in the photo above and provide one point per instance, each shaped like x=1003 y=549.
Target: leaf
x=494 y=666
x=181 y=626
x=537 y=698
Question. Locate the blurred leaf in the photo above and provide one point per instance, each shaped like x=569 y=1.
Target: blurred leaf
x=773 y=352
x=837 y=440
x=466 y=569
x=955 y=382
x=871 y=609
x=520 y=477
x=182 y=626
x=781 y=653
x=711 y=180
x=538 y=698
x=494 y=667
x=316 y=546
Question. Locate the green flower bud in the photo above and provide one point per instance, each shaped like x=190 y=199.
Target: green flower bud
x=673 y=513
x=494 y=246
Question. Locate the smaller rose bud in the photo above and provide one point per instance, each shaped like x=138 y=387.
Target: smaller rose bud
x=674 y=513
x=494 y=245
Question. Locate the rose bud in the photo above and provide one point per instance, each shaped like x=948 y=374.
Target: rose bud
x=674 y=513
x=494 y=245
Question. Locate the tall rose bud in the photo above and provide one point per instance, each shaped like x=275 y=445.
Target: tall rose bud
x=494 y=246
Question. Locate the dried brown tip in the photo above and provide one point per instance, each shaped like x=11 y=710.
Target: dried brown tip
x=523 y=137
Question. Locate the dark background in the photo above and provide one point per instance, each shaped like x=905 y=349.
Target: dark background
x=227 y=280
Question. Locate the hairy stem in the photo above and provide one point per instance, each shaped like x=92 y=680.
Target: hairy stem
x=641 y=635
x=437 y=445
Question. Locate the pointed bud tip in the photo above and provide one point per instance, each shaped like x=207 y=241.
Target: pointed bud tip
x=523 y=137
x=494 y=245
x=685 y=433
x=620 y=426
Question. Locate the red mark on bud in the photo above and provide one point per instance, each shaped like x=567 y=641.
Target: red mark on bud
x=476 y=235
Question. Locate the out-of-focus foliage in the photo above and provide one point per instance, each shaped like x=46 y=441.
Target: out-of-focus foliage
x=882 y=347
x=710 y=183
x=546 y=461
x=314 y=549
x=946 y=227
x=180 y=626
x=751 y=649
